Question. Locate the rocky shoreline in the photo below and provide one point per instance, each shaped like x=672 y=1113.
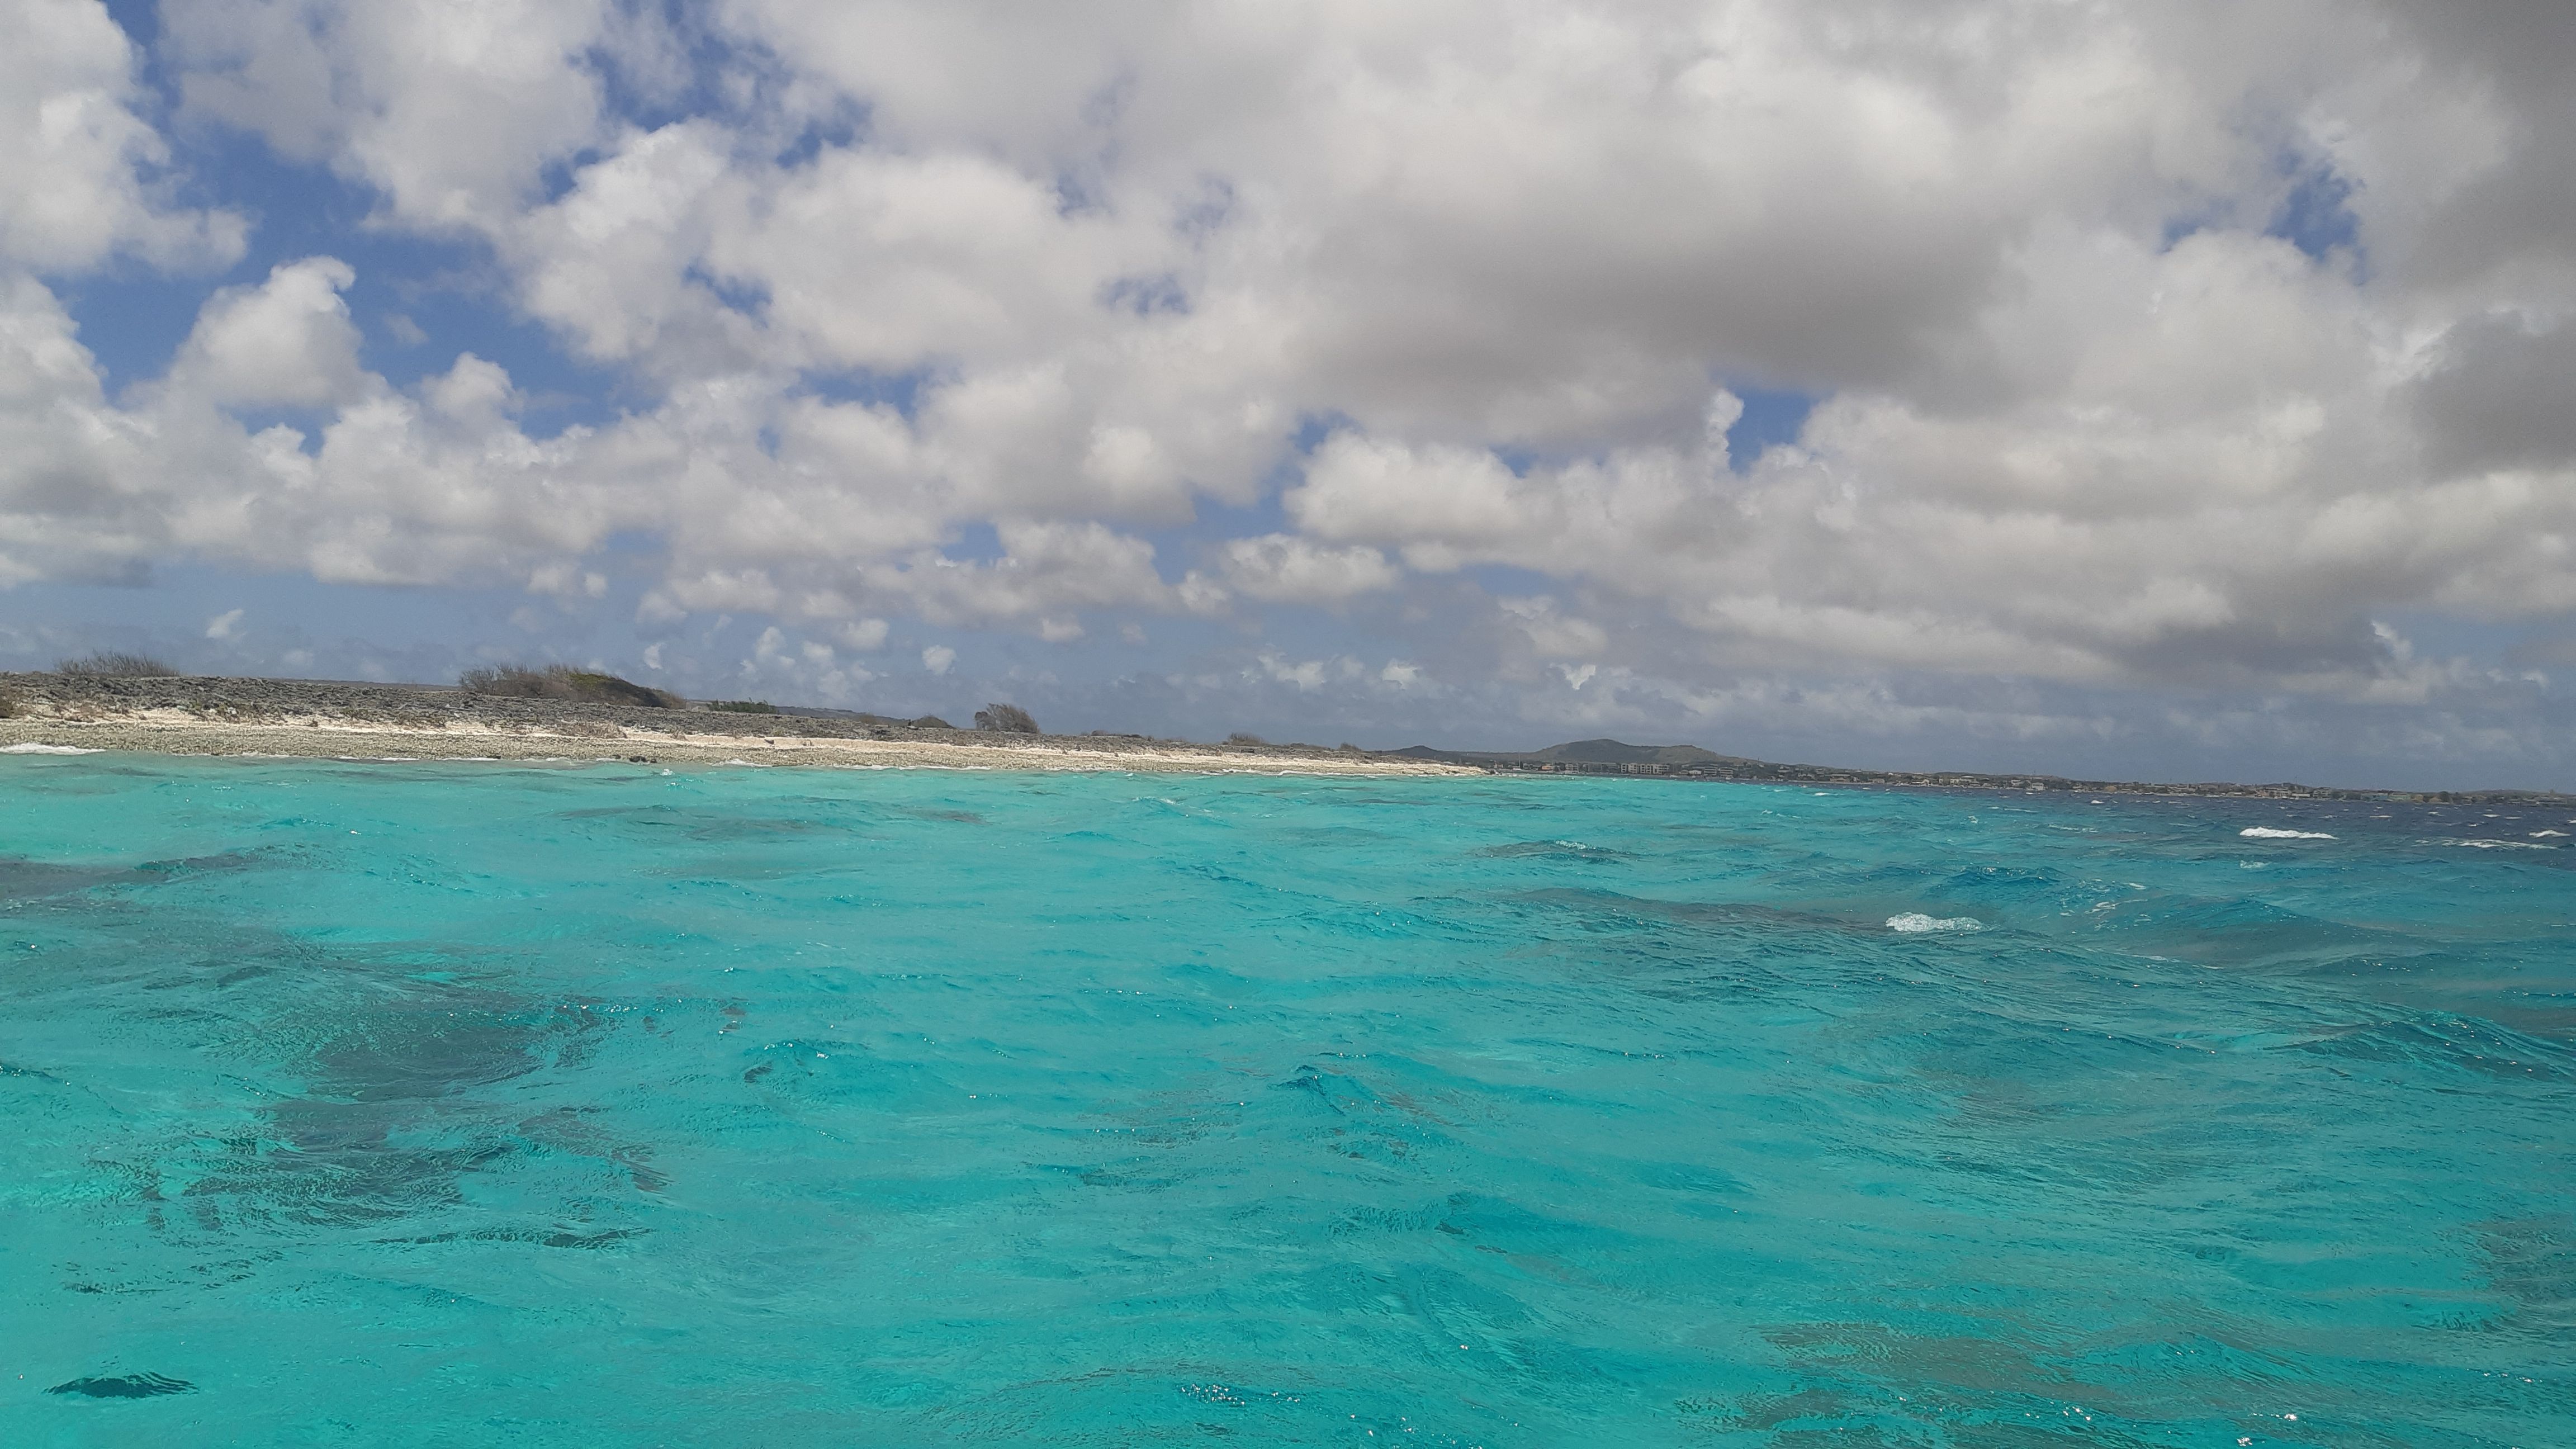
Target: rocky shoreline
x=190 y=715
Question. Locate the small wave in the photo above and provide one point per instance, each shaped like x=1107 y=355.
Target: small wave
x=1915 y=923
x=2491 y=844
x=2266 y=832
x=30 y=747
x=1564 y=849
x=2538 y=834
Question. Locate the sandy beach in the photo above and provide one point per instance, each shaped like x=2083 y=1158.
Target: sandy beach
x=341 y=739
x=320 y=720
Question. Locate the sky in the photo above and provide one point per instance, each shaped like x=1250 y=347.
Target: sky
x=2163 y=390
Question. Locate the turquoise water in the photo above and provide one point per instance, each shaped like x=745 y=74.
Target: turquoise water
x=469 y=1104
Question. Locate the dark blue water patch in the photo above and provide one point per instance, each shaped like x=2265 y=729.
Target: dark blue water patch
x=125 y=1386
x=2244 y=933
x=557 y=1238
x=35 y=880
x=2451 y=1044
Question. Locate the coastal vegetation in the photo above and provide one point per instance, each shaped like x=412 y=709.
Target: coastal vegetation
x=743 y=706
x=1008 y=719
x=113 y=664
x=562 y=681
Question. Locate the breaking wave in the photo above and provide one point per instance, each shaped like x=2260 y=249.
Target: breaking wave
x=1915 y=923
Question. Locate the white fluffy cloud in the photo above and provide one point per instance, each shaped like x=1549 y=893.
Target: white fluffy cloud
x=450 y=111
x=286 y=342
x=1283 y=568
x=2154 y=345
x=85 y=177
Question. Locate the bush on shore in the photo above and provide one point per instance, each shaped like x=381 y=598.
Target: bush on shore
x=1245 y=737
x=1007 y=719
x=562 y=681
x=930 y=722
x=114 y=664
x=744 y=706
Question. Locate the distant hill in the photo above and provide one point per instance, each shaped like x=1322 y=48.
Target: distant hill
x=1583 y=752
x=1613 y=752
x=1690 y=762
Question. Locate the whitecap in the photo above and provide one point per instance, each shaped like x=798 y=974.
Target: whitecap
x=2493 y=844
x=30 y=747
x=2266 y=832
x=1915 y=922
x=2541 y=834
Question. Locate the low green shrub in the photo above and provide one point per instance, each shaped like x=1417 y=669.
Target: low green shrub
x=1007 y=719
x=114 y=664
x=562 y=681
x=744 y=706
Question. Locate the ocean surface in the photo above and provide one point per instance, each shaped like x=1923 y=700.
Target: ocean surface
x=468 y=1104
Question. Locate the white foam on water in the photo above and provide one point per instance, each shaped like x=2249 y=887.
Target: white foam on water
x=1915 y=923
x=2541 y=834
x=30 y=747
x=2266 y=832
x=2493 y=844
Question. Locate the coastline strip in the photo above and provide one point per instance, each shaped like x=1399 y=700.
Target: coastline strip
x=323 y=738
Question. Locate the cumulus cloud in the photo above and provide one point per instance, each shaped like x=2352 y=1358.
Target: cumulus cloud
x=74 y=472
x=288 y=341
x=1283 y=568
x=87 y=175
x=450 y=114
x=2162 y=347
